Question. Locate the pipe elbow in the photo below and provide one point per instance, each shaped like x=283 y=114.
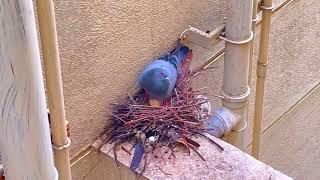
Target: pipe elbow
x=221 y=122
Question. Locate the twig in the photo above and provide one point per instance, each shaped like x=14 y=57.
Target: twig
x=118 y=117
x=169 y=174
x=197 y=153
x=212 y=141
x=131 y=98
x=115 y=153
x=126 y=150
x=181 y=115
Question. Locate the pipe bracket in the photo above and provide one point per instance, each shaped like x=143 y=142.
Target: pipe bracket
x=236 y=98
x=201 y=38
x=63 y=147
x=237 y=42
x=267 y=8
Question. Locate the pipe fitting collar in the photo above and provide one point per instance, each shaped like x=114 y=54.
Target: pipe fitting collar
x=267 y=8
x=63 y=147
x=221 y=122
x=236 y=98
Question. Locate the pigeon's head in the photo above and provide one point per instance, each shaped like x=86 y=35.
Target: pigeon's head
x=156 y=83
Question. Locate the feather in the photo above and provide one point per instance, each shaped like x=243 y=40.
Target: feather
x=137 y=156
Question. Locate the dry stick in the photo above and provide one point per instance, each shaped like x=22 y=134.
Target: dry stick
x=197 y=153
x=190 y=141
x=126 y=150
x=186 y=145
x=212 y=141
x=144 y=167
x=118 y=117
x=172 y=152
x=115 y=153
x=136 y=120
x=183 y=105
x=151 y=107
x=130 y=110
x=134 y=145
x=163 y=171
x=131 y=98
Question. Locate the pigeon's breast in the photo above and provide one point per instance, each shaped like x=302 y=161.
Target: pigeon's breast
x=158 y=79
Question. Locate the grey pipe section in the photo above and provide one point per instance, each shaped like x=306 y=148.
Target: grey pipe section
x=221 y=122
x=235 y=87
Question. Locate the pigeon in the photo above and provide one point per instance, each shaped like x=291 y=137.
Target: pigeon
x=159 y=77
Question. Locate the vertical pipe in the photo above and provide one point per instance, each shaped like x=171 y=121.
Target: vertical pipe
x=261 y=74
x=25 y=144
x=253 y=29
x=48 y=34
x=235 y=87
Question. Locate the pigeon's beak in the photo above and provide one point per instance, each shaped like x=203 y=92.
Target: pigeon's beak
x=154 y=103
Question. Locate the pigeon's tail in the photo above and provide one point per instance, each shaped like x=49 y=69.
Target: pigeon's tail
x=178 y=55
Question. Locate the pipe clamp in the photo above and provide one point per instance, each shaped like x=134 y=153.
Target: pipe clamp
x=63 y=147
x=237 y=42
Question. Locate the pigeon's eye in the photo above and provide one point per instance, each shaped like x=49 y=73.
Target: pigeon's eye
x=162 y=73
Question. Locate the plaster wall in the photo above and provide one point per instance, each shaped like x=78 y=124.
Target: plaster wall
x=105 y=44
x=290 y=141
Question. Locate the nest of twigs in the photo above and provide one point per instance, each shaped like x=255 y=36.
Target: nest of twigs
x=168 y=126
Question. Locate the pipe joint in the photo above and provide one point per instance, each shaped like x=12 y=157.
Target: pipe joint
x=236 y=98
x=267 y=8
x=262 y=69
x=221 y=122
x=62 y=147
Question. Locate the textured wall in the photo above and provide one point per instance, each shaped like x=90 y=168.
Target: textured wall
x=293 y=68
x=104 y=44
x=293 y=57
x=292 y=143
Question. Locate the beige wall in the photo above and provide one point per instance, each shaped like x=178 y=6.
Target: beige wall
x=291 y=143
x=104 y=44
x=293 y=55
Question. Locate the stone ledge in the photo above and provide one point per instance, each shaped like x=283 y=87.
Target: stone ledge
x=232 y=163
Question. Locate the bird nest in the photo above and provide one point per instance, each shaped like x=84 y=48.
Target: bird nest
x=151 y=128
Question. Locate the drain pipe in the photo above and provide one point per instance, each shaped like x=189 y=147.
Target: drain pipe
x=231 y=119
x=255 y=18
x=48 y=34
x=235 y=89
x=25 y=144
x=267 y=6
